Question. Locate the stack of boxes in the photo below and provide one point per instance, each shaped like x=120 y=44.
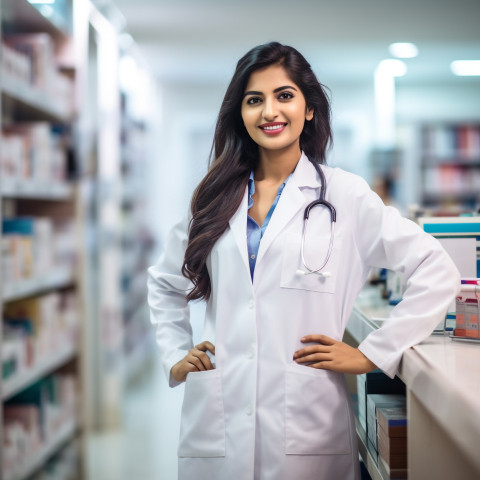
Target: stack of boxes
x=36 y=327
x=392 y=441
x=33 y=247
x=391 y=454
x=30 y=60
x=381 y=407
x=33 y=419
x=468 y=310
x=33 y=151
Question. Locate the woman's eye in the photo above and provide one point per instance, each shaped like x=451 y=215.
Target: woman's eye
x=285 y=96
x=253 y=100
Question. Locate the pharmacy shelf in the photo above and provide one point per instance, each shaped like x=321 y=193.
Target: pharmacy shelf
x=432 y=161
x=31 y=286
x=28 y=189
x=23 y=102
x=368 y=314
x=38 y=459
x=369 y=459
x=37 y=103
x=19 y=382
x=446 y=153
x=441 y=195
x=21 y=12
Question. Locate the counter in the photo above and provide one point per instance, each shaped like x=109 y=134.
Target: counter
x=442 y=378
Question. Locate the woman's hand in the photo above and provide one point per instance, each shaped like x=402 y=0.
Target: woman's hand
x=331 y=354
x=196 y=360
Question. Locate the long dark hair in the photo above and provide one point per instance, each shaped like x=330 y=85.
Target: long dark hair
x=234 y=154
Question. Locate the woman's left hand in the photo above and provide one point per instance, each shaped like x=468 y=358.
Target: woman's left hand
x=331 y=354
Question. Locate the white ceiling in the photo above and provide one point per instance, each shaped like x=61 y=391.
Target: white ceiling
x=201 y=40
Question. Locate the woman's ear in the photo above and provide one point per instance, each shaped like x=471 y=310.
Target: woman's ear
x=309 y=114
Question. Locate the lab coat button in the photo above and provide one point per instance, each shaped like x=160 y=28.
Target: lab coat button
x=250 y=304
x=249 y=353
x=249 y=410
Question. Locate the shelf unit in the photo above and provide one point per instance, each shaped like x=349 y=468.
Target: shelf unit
x=367 y=315
x=137 y=239
x=98 y=138
x=23 y=104
x=34 y=104
x=450 y=164
x=14 y=188
x=36 y=461
x=442 y=380
x=107 y=218
x=54 y=280
x=39 y=370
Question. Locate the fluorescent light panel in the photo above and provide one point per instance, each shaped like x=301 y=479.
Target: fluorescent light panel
x=392 y=67
x=403 y=50
x=466 y=68
x=41 y=2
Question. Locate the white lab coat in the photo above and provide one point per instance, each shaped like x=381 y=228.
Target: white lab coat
x=259 y=415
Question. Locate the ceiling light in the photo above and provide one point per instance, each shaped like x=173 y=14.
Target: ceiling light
x=390 y=66
x=403 y=50
x=466 y=68
x=41 y=2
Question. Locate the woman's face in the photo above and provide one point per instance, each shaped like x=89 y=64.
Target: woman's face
x=274 y=109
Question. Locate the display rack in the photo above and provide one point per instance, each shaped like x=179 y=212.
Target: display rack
x=45 y=179
x=443 y=386
x=450 y=164
x=100 y=186
x=137 y=239
x=85 y=48
x=38 y=460
x=39 y=370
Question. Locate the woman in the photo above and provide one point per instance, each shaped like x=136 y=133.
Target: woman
x=265 y=396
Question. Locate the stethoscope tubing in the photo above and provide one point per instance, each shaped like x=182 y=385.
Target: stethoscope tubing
x=333 y=219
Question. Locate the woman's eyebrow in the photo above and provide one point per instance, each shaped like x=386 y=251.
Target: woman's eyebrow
x=285 y=87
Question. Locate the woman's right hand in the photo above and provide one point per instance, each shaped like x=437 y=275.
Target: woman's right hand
x=196 y=360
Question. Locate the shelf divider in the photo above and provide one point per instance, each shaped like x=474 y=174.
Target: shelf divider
x=42 y=368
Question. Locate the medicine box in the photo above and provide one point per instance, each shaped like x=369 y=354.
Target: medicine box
x=375 y=401
x=375 y=382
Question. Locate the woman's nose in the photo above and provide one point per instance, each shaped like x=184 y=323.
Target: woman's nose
x=269 y=110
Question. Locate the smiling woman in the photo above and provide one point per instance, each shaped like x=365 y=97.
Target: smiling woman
x=274 y=116
x=273 y=405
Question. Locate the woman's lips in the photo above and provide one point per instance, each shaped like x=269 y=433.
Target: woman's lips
x=272 y=128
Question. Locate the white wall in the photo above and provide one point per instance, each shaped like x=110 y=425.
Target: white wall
x=184 y=131
x=455 y=101
x=353 y=126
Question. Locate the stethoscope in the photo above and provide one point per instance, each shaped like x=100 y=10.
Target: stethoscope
x=333 y=218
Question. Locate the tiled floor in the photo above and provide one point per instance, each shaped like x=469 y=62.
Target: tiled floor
x=145 y=448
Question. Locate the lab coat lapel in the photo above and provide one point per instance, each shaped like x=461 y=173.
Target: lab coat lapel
x=291 y=201
x=238 y=226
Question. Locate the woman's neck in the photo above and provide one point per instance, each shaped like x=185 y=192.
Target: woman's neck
x=277 y=165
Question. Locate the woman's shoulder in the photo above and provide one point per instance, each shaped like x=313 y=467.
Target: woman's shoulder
x=343 y=179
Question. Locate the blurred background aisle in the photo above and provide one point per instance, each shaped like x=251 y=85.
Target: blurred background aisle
x=145 y=446
x=108 y=110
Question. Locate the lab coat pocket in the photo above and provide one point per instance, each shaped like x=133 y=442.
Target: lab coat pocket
x=316 y=250
x=316 y=412
x=202 y=427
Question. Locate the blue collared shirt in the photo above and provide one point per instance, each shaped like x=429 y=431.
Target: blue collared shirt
x=254 y=231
